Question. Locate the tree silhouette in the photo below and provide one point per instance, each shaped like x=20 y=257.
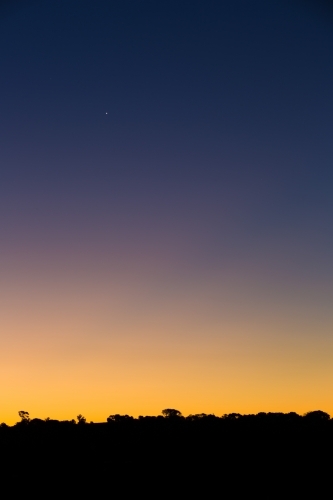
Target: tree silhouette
x=81 y=419
x=171 y=413
x=119 y=418
x=24 y=416
x=317 y=416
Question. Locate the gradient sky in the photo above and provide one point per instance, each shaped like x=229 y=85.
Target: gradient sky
x=166 y=207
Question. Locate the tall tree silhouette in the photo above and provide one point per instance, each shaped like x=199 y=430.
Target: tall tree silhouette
x=81 y=419
x=24 y=416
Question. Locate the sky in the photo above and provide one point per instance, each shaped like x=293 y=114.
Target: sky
x=165 y=207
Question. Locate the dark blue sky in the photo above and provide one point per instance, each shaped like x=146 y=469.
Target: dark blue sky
x=216 y=110
x=218 y=132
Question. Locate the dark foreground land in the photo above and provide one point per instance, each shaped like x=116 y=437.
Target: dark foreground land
x=201 y=455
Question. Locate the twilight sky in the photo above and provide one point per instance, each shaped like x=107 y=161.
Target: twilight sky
x=166 y=175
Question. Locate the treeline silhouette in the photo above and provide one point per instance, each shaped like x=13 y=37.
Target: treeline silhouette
x=172 y=416
x=199 y=453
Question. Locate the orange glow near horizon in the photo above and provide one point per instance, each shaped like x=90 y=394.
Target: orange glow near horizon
x=141 y=347
x=165 y=208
